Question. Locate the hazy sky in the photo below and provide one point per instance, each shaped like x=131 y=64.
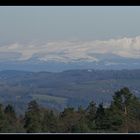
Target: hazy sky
x=53 y=23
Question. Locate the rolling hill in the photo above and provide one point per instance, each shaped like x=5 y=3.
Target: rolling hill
x=67 y=88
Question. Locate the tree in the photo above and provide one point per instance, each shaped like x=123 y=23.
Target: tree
x=49 y=123
x=82 y=124
x=11 y=119
x=3 y=124
x=101 y=119
x=68 y=119
x=10 y=113
x=90 y=115
x=32 y=118
x=115 y=119
x=124 y=109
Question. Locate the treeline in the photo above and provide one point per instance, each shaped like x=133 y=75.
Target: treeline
x=122 y=116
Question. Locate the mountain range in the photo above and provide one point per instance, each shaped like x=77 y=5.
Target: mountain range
x=60 y=55
x=106 y=62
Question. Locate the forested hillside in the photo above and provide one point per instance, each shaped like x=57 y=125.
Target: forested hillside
x=122 y=116
x=68 y=88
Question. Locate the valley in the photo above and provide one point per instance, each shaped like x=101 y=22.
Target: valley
x=67 y=88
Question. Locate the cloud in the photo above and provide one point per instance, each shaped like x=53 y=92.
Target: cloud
x=69 y=51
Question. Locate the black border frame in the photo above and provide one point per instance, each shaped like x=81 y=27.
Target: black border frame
x=72 y=3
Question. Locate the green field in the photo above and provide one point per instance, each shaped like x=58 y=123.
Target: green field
x=48 y=98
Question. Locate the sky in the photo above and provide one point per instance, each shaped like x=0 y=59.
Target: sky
x=69 y=33
x=28 y=23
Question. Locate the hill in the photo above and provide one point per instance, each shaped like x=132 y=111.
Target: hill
x=67 y=88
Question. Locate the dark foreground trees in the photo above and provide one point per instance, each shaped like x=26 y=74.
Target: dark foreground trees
x=123 y=116
x=33 y=118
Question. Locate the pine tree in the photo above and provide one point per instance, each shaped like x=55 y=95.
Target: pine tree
x=49 y=123
x=32 y=118
x=90 y=115
x=68 y=119
x=82 y=124
x=10 y=112
x=11 y=119
x=3 y=121
x=101 y=119
x=124 y=110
